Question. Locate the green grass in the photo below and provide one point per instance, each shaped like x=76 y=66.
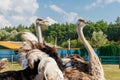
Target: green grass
x=10 y=66
x=112 y=72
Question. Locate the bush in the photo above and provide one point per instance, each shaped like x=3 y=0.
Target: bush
x=76 y=43
x=109 y=50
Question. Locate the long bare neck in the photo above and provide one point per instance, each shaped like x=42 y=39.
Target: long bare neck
x=95 y=67
x=39 y=34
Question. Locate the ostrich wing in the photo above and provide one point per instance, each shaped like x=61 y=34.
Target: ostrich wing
x=27 y=36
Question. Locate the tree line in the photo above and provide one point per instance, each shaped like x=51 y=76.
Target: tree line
x=98 y=33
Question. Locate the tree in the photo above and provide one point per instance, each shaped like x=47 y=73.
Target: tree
x=101 y=26
x=20 y=28
x=3 y=34
x=50 y=39
x=32 y=28
x=98 y=39
x=76 y=43
x=113 y=32
x=12 y=35
x=118 y=20
x=109 y=50
x=62 y=31
x=88 y=30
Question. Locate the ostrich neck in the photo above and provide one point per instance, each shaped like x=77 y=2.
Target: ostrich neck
x=39 y=34
x=90 y=50
x=95 y=67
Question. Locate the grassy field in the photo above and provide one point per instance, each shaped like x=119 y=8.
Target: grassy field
x=10 y=66
x=112 y=72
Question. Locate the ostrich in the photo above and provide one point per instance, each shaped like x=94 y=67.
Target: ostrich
x=53 y=53
x=3 y=63
x=42 y=45
x=49 y=67
x=31 y=41
x=34 y=55
x=94 y=70
x=25 y=74
x=95 y=67
x=29 y=36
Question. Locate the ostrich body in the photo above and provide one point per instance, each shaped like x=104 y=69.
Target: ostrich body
x=25 y=74
x=95 y=67
x=49 y=67
x=29 y=36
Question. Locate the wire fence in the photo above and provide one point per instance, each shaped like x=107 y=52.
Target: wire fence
x=11 y=57
x=64 y=53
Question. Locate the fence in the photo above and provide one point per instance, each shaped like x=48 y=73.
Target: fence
x=63 y=53
x=10 y=57
x=110 y=59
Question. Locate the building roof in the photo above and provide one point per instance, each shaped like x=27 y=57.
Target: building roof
x=10 y=44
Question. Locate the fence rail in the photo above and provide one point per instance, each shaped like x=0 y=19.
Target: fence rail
x=110 y=59
x=10 y=57
x=63 y=53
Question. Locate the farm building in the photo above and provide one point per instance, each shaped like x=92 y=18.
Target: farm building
x=8 y=48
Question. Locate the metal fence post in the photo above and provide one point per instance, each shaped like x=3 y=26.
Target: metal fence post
x=119 y=62
x=11 y=59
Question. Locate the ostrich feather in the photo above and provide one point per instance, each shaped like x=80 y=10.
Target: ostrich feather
x=28 y=36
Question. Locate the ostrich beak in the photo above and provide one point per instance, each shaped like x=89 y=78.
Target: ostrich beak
x=87 y=22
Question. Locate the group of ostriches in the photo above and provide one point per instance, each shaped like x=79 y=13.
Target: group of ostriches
x=41 y=61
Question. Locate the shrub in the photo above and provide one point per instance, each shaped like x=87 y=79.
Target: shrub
x=109 y=50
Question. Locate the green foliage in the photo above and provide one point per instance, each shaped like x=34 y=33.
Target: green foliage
x=3 y=34
x=109 y=50
x=73 y=43
x=98 y=26
x=76 y=52
x=68 y=30
x=62 y=31
x=101 y=26
x=32 y=28
x=12 y=35
x=113 y=32
x=50 y=39
x=83 y=51
x=118 y=20
x=98 y=39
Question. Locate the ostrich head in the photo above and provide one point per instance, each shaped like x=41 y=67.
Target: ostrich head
x=82 y=23
x=41 y=21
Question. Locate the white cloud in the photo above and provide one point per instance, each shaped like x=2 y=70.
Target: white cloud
x=4 y=5
x=100 y=3
x=67 y=17
x=4 y=22
x=50 y=21
x=17 y=18
x=32 y=19
x=18 y=12
x=71 y=16
x=57 y=9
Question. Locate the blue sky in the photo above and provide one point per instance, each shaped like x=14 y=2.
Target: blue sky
x=14 y=12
